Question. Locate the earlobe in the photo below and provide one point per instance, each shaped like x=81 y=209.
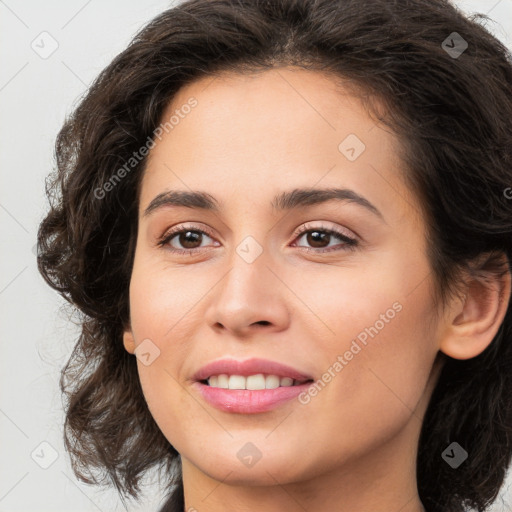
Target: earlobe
x=129 y=341
x=473 y=322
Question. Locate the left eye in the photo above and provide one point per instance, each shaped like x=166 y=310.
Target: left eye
x=320 y=235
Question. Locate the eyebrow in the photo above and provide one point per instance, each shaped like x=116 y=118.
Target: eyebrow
x=293 y=199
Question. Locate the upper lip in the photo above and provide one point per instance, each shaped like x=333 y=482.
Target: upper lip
x=249 y=367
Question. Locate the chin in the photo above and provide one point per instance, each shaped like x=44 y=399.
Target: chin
x=235 y=467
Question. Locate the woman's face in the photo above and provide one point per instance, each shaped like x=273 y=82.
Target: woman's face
x=260 y=277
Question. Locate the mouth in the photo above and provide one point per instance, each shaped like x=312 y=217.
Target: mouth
x=256 y=382
x=251 y=386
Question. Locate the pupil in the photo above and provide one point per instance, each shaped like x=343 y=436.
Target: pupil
x=190 y=234
x=313 y=237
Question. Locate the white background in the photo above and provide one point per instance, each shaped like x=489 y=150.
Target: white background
x=37 y=337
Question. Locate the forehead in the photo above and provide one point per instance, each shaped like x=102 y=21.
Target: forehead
x=273 y=131
x=296 y=105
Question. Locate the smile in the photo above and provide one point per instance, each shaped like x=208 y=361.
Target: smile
x=252 y=382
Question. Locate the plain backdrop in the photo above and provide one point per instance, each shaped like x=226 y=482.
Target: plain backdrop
x=36 y=92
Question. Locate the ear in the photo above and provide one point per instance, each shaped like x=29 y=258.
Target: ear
x=472 y=323
x=129 y=341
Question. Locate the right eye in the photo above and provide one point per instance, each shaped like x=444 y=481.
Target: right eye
x=188 y=237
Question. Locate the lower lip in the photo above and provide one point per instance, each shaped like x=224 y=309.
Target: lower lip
x=246 y=401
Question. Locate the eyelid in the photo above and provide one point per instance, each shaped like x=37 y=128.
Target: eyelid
x=323 y=227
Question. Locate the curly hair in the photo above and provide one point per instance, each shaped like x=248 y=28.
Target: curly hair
x=452 y=115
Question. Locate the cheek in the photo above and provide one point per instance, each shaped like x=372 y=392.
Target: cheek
x=155 y=308
x=376 y=353
x=163 y=300
x=165 y=308
x=383 y=306
x=375 y=394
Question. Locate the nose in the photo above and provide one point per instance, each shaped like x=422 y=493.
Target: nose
x=249 y=297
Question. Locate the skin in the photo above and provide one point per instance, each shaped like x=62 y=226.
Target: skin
x=353 y=447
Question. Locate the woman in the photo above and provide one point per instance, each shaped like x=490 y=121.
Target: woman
x=288 y=227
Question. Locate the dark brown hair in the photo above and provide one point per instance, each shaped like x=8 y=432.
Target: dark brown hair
x=452 y=115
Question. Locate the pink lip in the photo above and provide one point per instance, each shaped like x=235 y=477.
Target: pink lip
x=247 y=401
x=249 y=367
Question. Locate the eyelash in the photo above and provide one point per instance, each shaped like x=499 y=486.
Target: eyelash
x=350 y=244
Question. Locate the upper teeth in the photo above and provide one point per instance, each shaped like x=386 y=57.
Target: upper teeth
x=253 y=382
